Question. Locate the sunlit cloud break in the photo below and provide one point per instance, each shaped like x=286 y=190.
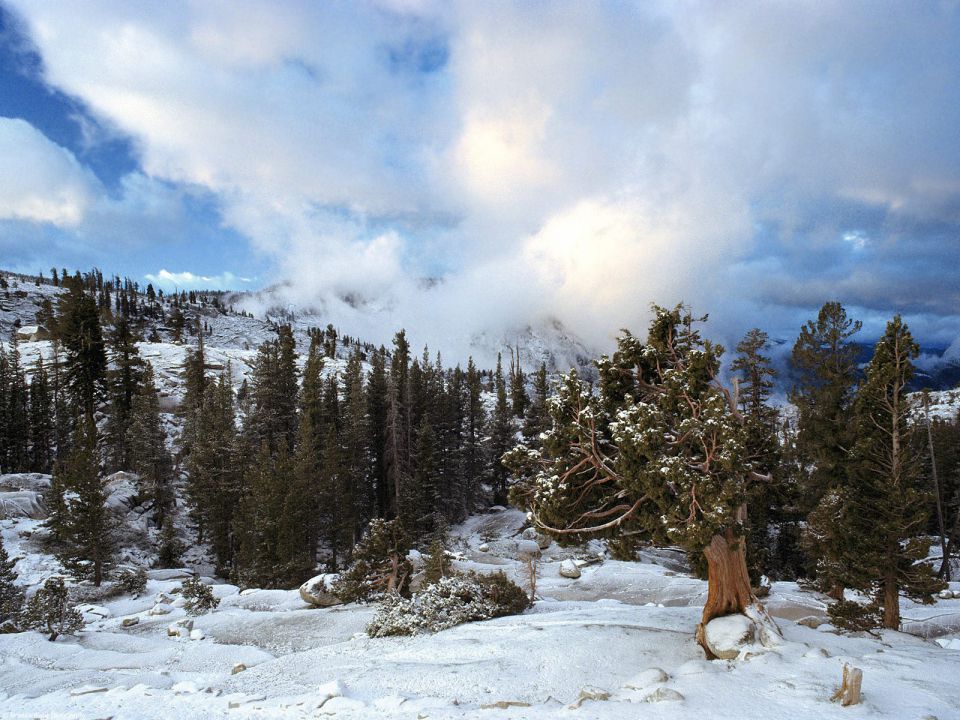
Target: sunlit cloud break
x=175 y=281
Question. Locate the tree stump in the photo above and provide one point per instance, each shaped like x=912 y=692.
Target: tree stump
x=849 y=691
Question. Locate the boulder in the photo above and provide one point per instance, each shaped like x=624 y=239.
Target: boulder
x=196 y=635
x=92 y=613
x=663 y=694
x=527 y=550
x=647 y=678
x=318 y=591
x=161 y=609
x=129 y=622
x=569 y=569
x=181 y=628
x=590 y=693
x=238 y=668
x=542 y=541
x=726 y=636
x=945 y=594
x=483 y=547
x=811 y=621
x=22 y=504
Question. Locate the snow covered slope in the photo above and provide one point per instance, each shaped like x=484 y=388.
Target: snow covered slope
x=618 y=641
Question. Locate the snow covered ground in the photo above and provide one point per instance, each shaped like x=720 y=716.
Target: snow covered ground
x=621 y=636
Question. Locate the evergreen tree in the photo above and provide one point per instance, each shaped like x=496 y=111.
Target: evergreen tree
x=14 y=408
x=889 y=508
x=537 y=418
x=377 y=395
x=124 y=380
x=11 y=594
x=518 y=381
x=825 y=361
x=49 y=611
x=214 y=485
x=78 y=321
x=42 y=427
x=146 y=443
x=501 y=436
x=660 y=452
x=358 y=497
x=754 y=376
x=474 y=423
x=273 y=410
x=88 y=539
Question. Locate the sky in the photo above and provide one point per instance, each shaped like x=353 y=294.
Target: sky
x=459 y=168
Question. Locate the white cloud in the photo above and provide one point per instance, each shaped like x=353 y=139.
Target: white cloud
x=571 y=159
x=186 y=280
x=39 y=180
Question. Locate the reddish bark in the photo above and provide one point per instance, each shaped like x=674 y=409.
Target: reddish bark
x=728 y=582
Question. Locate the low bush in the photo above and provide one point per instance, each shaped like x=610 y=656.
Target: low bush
x=449 y=602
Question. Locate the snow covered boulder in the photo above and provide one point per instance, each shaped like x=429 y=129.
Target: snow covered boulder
x=542 y=541
x=569 y=569
x=161 y=609
x=22 y=504
x=92 y=613
x=121 y=489
x=945 y=594
x=318 y=591
x=527 y=550
x=647 y=678
x=726 y=636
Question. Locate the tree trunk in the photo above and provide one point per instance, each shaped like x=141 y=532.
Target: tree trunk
x=891 y=602
x=728 y=582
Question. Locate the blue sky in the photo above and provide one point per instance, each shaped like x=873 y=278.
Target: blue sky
x=545 y=160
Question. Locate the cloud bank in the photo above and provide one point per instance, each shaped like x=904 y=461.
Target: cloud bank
x=568 y=160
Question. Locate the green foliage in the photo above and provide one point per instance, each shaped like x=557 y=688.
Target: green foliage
x=437 y=564
x=11 y=595
x=83 y=523
x=131 y=581
x=199 y=597
x=380 y=564
x=49 y=611
x=449 y=602
x=658 y=452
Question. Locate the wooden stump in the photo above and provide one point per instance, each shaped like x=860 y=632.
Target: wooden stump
x=849 y=691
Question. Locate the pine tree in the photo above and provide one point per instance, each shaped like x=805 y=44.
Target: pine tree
x=49 y=611
x=377 y=394
x=754 y=377
x=124 y=380
x=474 y=423
x=146 y=444
x=889 y=508
x=42 y=427
x=537 y=418
x=660 y=452
x=501 y=436
x=78 y=320
x=88 y=533
x=14 y=404
x=825 y=360
x=358 y=490
x=11 y=594
x=214 y=485
x=518 y=390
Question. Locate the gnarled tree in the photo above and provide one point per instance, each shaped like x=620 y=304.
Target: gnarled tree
x=658 y=453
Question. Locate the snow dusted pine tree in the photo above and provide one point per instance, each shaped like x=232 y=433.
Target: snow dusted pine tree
x=661 y=452
x=889 y=506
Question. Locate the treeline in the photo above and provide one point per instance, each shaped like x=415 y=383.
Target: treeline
x=282 y=476
x=317 y=455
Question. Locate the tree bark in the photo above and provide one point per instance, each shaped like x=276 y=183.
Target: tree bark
x=728 y=582
x=891 y=602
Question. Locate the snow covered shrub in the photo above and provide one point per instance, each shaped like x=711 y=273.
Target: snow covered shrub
x=448 y=602
x=437 y=564
x=48 y=611
x=851 y=616
x=131 y=581
x=380 y=564
x=199 y=597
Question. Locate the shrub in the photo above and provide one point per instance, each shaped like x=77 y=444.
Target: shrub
x=131 y=581
x=199 y=597
x=380 y=564
x=851 y=616
x=48 y=611
x=449 y=602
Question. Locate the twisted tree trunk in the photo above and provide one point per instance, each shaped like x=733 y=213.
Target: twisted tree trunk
x=728 y=582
